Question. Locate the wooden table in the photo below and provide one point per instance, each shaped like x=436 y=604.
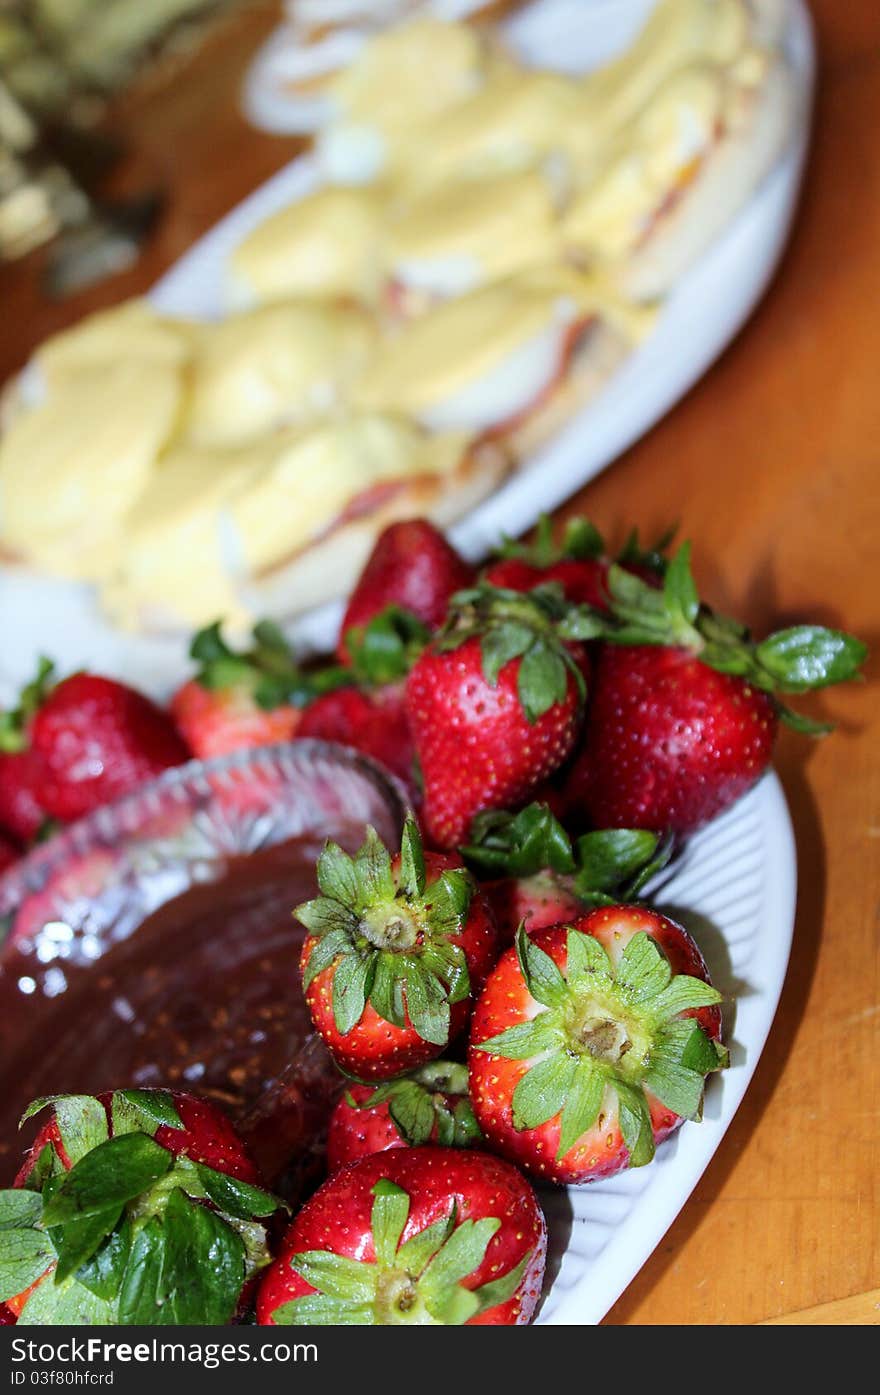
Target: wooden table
x=772 y=466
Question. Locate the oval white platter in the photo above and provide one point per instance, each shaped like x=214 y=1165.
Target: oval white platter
x=735 y=888
x=735 y=884
x=707 y=309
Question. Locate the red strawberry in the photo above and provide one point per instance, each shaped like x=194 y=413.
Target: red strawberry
x=548 y=878
x=80 y=743
x=495 y=705
x=22 y=775
x=429 y=1106
x=136 y=1207
x=411 y=568
x=683 y=715
x=537 y=901
x=217 y=723
x=99 y=739
x=414 y=1235
x=583 y=582
x=240 y=700
x=395 y=951
x=579 y=564
x=591 y=1043
x=373 y=722
x=22 y=770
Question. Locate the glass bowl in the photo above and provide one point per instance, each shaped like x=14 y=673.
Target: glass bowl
x=234 y=840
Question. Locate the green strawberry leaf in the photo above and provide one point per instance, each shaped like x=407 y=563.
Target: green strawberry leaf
x=19 y=1209
x=114 y=1172
x=586 y=959
x=76 y=1242
x=679 y=591
x=336 y=1276
x=372 y=866
x=386 y=993
x=683 y=993
x=411 y=1109
x=448 y=963
x=541 y=1093
x=25 y=1255
x=142 y=1293
x=388 y=1219
x=457 y=1258
x=520 y=844
x=635 y=1124
x=68 y=1304
x=809 y=656
x=103 y=1273
x=580 y=1109
x=502 y=644
x=804 y=726
x=316 y=1310
x=385 y=649
x=417 y=1252
x=427 y=1005
x=609 y=857
x=144 y=1110
x=581 y=541
x=543 y=979
x=643 y=969
x=236 y=1198
x=15 y=721
x=680 y=1089
x=204 y=1264
x=352 y=984
x=449 y=901
x=542 y=681
x=82 y=1122
x=412 y=860
x=337 y=875
x=525 y=1040
x=332 y=945
x=499 y=1291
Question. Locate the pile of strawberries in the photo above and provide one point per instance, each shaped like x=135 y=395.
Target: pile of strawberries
x=501 y=1001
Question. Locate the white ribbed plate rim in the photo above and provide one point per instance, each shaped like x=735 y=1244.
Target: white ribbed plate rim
x=737 y=880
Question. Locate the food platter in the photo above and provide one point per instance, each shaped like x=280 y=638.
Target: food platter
x=62 y=618
x=734 y=887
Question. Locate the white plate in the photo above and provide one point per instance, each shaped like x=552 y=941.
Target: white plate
x=700 y=318
x=735 y=888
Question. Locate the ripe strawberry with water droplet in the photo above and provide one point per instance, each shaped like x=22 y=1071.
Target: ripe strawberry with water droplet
x=591 y=1043
x=415 y=1236
x=396 y=949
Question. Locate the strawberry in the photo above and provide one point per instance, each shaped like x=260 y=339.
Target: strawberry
x=495 y=703
x=238 y=701
x=22 y=770
x=137 y=1207
x=415 y=1235
x=590 y=1043
x=684 y=711
x=580 y=563
x=429 y=1106
x=395 y=951
x=22 y=774
x=374 y=722
x=549 y=879
x=84 y=741
x=413 y=570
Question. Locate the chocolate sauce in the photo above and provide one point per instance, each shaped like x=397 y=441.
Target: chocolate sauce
x=203 y=996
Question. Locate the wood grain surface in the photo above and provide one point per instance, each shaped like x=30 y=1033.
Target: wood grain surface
x=772 y=466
